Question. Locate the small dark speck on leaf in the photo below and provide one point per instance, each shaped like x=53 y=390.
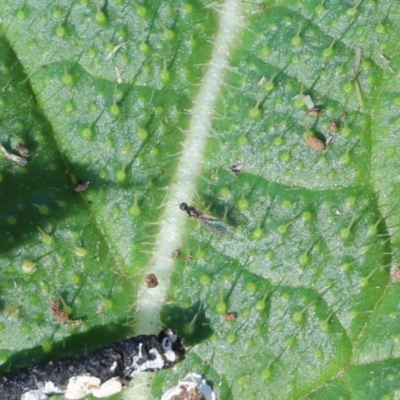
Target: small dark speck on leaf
x=151 y=281
x=232 y=316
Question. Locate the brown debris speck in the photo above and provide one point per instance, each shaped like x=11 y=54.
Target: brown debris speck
x=396 y=274
x=232 y=316
x=334 y=126
x=187 y=393
x=176 y=253
x=316 y=143
x=61 y=316
x=151 y=281
x=314 y=112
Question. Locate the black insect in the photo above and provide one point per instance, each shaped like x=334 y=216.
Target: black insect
x=210 y=222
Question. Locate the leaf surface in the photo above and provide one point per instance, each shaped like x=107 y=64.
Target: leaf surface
x=152 y=103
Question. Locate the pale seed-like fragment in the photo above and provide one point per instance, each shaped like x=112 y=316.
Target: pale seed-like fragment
x=316 y=143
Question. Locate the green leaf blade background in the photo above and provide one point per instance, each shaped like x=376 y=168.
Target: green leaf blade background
x=115 y=225
x=308 y=270
x=35 y=201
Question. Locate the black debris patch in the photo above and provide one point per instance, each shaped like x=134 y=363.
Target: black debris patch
x=120 y=360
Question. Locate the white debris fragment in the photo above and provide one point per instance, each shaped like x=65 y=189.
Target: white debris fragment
x=167 y=343
x=192 y=384
x=108 y=388
x=50 y=388
x=43 y=391
x=357 y=62
x=114 y=367
x=154 y=364
x=387 y=63
x=13 y=157
x=119 y=75
x=329 y=140
x=115 y=49
x=262 y=81
x=308 y=101
x=81 y=386
x=34 y=395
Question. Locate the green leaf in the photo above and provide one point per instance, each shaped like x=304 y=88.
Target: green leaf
x=152 y=103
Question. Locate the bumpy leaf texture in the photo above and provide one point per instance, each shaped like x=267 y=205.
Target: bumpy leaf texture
x=152 y=102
